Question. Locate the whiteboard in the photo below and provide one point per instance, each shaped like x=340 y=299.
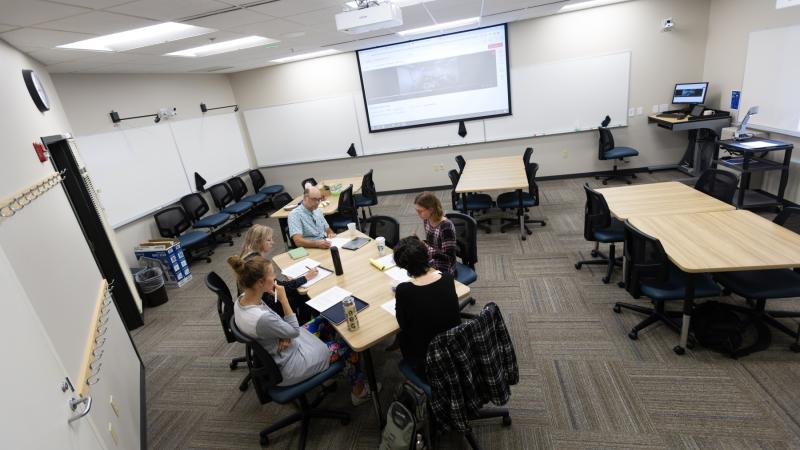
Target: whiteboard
x=565 y=96
x=135 y=171
x=771 y=77
x=212 y=146
x=306 y=131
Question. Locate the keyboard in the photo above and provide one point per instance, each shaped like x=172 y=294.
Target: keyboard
x=672 y=115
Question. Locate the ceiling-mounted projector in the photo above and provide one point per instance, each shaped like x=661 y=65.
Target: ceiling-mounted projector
x=376 y=17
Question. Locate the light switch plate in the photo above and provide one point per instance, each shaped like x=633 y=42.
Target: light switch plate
x=663 y=107
x=639 y=110
x=631 y=112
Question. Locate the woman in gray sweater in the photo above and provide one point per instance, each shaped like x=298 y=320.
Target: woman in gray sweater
x=298 y=353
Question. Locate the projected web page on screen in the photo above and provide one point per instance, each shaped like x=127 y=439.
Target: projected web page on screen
x=434 y=80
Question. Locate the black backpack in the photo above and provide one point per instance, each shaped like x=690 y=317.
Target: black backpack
x=406 y=420
x=722 y=328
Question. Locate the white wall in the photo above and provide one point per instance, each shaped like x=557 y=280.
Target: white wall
x=729 y=25
x=51 y=259
x=658 y=60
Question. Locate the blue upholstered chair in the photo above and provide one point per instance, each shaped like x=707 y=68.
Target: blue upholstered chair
x=239 y=191
x=511 y=200
x=257 y=178
x=346 y=211
x=608 y=151
x=467 y=240
x=599 y=227
x=196 y=207
x=222 y=195
x=172 y=222
x=266 y=377
x=474 y=202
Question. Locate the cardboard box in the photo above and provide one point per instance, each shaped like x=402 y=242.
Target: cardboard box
x=168 y=255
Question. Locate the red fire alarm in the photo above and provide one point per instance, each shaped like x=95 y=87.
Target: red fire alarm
x=40 y=151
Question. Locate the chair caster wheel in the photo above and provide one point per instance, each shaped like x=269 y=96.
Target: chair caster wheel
x=679 y=350
x=621 y=284
x=345 y=421
x=471 y=301
x=529 y=232
x=606 y=182
x=243 y=387
x=617 y=309
x=605 y=280
x=633 y=175
x=578 y=266
x=795 y=347
x=506 y=421
x=633 y=335
x=524 y=238
x=594 y=253
x=233 y=366
x=263 y=440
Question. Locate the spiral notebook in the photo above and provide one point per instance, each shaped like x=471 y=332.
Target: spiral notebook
x=335 y=314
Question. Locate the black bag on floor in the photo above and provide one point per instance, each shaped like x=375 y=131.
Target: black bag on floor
x=724 y=329
x=406 y=420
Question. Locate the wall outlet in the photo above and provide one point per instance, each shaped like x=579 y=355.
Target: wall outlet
x=639 y=110
x=663 y=107
x=631 y=112
x=438 y=167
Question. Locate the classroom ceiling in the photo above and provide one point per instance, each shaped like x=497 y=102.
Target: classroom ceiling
x=36 y=27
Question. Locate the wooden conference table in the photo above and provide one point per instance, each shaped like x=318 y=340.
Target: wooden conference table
x=369 y=284
x=331 y=208
x=657 y=199
x=504 y=173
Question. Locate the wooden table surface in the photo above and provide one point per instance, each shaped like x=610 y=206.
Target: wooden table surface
x=365 y=282
x=722 y=241
x=657 y=199
x=668 y=119
x=493 y=174
x=333 y=199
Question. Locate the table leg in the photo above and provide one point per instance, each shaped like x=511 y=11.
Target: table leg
x=373 y=386
x=284 y=224
x=521 y=215
x=787 y=159
x=688 y=307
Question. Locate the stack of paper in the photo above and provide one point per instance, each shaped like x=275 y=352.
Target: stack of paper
x=338 y=241
x=398 y=274
x=321 y=273
x=300 y=268
x=390 y=307
x=384 y=262
x=328 y=298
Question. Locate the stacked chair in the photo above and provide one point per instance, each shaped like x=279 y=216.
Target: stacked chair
x=196 y=207
x=173 y=222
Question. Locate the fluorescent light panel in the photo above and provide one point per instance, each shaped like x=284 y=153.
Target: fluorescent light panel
x=587 y=4
x=400 y=3
x=139 y=37
x=440 y=26
x=224 y=47
x=327 y=52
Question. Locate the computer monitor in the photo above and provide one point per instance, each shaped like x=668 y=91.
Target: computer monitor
x=690 y=93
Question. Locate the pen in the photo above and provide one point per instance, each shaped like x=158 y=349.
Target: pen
x=325 y=268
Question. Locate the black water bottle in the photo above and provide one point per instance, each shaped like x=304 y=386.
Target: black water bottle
x=337 y=262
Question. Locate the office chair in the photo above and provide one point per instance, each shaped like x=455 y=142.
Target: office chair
x=608 y=151
x=385 y=226
x=467 y=242
x=172 y=222
x=650 y=272
x=599 y=227
x=758 y=286
x=461 y=162
x=266 y=377
x=195 y=206
x=526 y=157
x=510 y=200
x=222 y=197
x=474 y=203
x=718 y=183
x=368 y=196
x=346 y=212
x=225 y=311
x=257 y=178
x=308 y=180
x=239 y=191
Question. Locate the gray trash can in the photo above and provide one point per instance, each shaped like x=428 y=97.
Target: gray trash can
x=151 y=284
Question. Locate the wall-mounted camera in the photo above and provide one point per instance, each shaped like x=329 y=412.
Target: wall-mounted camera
x=667 y=24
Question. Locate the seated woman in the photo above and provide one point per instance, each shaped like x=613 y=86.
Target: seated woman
x=426 y=306
x=440 y=233
x=258 y=241
x=298 y=353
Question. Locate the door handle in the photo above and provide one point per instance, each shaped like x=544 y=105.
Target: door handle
x=73 y=405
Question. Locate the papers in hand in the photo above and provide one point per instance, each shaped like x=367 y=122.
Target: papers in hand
x=756 y=144
x=384 y=262
x=321 y=273
x=398 y=274
x=299 y=268
x=328 y=298
x=337 y=241
x=390 y=307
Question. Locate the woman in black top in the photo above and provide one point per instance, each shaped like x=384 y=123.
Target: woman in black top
x=426 y=306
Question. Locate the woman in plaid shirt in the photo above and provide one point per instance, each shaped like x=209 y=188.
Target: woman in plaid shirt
x=440 y=233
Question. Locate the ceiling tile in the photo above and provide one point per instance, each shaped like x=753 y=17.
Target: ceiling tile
x=27 y=39
x=275 y=28
x=320 y=16
x=4 y=27
x=285 y=8
x=72 y=66
x=233 y=19
x=169 y=10
x=98 y=22
x=94 y=4
x=47 y=56
x=31 y=12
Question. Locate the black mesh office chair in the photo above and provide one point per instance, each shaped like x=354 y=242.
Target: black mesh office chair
x=308 y=180
x=467 y=241
x=608 y=151
x=196 y=206
x=222 y=195
x=510 y=200
x=266 y=377
x=368 y=196
x=279 y=201
x=758 y=286
x=385 y=226
x=650 y=273
x=461 y=162
x=526 y=157
x=257 y=178
x=718 y=183
x=599 y=227
x=474 y=202
x=172 y=222
x=225 y=311
x=346 y=212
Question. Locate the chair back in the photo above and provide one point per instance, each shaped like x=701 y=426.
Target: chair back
x=281 y=200
x=717 y=183
x=385 y=226
x=172 y=221
x=221 y=195
x=368 y=186
x=264 y=372
x=217 y=285
x=454 y=177
x=526 y=157
x=646 y=260
x=347 y=204
x=596 y=215
x=789 y=218
x=308 y=180
x=257 y=178
x=606 y=142
x=466 y=237
x=461 y=163
x=533 y=188
x=194 y=205
x=238 y=188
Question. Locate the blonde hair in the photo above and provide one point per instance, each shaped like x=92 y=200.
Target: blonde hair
x=429 y=200
x=249 y=271
x=255 y=235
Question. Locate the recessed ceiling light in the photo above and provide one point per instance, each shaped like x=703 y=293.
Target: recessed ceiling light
x=224 y=47
x=440 y=26
x=139 y=37
x=587 y=4
x=327 y=52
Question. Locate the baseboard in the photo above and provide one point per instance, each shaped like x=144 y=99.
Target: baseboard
x=770 y=194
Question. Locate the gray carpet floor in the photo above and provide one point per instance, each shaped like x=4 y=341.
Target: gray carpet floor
x=583 y=383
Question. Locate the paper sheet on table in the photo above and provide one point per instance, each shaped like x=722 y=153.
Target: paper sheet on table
x=299 y=268
x=398 y=274
x=321 y=273
x=338 y=242
x=384 y=262
x=390 y=307
x=756 y=144
x=328 y=298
